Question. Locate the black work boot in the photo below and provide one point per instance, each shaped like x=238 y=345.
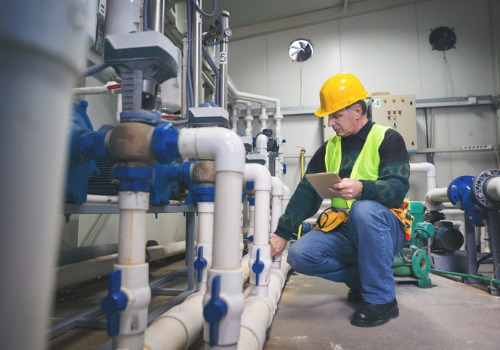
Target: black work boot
x=354 y=296
x=372 y=315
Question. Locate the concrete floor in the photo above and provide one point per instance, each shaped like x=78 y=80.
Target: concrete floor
x=313 y=314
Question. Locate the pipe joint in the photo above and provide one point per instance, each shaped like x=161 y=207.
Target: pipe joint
x=222 y=145
x=130 y=143
x=134 y=319
x=164 y=143
x=134 y=178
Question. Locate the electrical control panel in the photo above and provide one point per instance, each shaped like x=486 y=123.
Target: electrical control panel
x=398 y=112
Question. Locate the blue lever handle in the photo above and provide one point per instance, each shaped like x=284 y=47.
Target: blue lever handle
x=214 y=311
x=114 y=302
x=257 y=267
x=200 y=263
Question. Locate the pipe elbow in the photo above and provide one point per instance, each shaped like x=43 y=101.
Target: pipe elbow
x=277 y=187
x=222 y=145
x=259 y=175
x=429 y=168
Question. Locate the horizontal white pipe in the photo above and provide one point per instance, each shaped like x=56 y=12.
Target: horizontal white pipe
x=260 y=310
x=94 y=198
x=111 y=88
x=435 y=197
x=179 y=327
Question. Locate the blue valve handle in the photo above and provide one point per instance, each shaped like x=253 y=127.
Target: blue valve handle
x=214 y=311
x=257 y=267
x=200 y=263
x=114 y=302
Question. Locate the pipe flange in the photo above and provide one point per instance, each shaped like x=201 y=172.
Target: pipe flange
x=455 y=189
x=479 y=190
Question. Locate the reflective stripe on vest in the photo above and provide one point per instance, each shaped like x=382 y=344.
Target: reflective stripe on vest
x=365 y=167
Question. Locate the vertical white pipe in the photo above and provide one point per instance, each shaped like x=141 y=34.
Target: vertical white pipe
x=262 y=187
x=227 y=149
x=277 y=192
x=263 y=117
x=234 y=120
x=205 y=236
x=248 y=119
x=132 y=262
x=429 y=169
x=43 y=46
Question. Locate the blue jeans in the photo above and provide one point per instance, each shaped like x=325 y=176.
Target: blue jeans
x=359 y=252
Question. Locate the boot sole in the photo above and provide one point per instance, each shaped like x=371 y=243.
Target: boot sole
x=361 y=323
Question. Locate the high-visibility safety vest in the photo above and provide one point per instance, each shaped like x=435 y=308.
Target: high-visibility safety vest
x=366 y=166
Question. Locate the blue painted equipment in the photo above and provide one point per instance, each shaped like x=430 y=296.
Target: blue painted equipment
x=81 y=167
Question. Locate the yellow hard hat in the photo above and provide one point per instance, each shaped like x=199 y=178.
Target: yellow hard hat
x=338 y=92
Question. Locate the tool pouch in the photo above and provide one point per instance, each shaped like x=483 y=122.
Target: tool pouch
x=330 y=219
x=405 y=218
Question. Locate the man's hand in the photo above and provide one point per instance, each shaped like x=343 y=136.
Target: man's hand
x=347 y=189
x=277 y=243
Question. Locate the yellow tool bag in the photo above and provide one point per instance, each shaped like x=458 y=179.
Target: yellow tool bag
x=329 y=219
x=405 y=218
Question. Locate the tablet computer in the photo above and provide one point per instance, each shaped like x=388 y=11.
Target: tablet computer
x=322 y=181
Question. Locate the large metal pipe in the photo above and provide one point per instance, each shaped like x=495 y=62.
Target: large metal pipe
x=43 y=45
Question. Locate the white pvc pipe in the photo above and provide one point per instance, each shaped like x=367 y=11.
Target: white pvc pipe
x=43 y=46
x=179 y=327
x=277 y=192
x=111 y=88
x=260 y=310
x=429 y=169
x=77 y=272
x=286 y=197
x=93 y=198
x=227 y=149
x=262 y=187
x=248 y=119
x=234 y=120
x=263 y=117
x=205 y=236
x=135 y=271
x=435 y=197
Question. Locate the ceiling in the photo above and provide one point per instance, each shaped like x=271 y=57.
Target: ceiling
x=256 y=17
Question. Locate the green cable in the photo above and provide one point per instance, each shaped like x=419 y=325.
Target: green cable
x=481 y=278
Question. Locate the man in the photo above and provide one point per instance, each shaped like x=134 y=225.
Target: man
x=372 y=161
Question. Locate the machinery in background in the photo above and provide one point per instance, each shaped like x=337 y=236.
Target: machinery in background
x=479 y=198
x=413 y=263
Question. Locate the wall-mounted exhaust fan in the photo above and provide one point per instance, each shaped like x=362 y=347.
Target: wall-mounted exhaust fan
x=442 y=38
x=300 y=50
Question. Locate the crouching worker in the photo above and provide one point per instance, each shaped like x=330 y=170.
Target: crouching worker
x=359 y=246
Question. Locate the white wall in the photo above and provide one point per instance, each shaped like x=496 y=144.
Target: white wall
x=389 y=51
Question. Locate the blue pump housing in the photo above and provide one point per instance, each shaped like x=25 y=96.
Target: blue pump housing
x=80 y=168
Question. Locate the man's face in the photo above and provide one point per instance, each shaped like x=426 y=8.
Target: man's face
x=346 y=121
